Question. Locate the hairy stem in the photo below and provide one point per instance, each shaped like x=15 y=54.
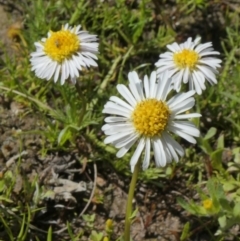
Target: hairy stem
x=129 y=202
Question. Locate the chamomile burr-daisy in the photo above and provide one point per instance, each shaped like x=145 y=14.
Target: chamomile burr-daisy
x=190 y=62
x=147 y=118
x=64 y=53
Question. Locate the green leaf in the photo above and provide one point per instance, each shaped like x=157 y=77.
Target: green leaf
x=96 y=236
x=7 y=228
x=89 y=218
x=182 y=203
x=121 y=238
x=5 y=199
x=236 y=210
x=216 y=158
x=211 y=132
x=21 y=232
x=205 y=146
x=220 y=142
x=49 y=194
x=229 y=186
x=49 y=235
x=70 y=231
x=191 y=207
x=185 y=232
x=222 y=221
x=225 y=204
x=236 y=152
x=215 y=189
x=134 y=213
x=2 y=185
x=64 y=136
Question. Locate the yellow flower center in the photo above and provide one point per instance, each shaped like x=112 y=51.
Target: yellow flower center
x=186 y=58
x=150 y=117
x=61 y=45
x=207 y=204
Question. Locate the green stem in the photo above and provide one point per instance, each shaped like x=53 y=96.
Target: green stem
x=129 y=202
x=84 y=102
x=38 y=102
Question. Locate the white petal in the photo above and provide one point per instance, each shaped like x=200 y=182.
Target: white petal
x=197 y=40
x=187 y=127
x=173 y=143
x=115 y=119
x=121 y=102
x=117 y=107
x=160 y=157
x=177 y=79
x=126 y=140
x=133 y=79
x=183 y=135
x=56 y=75
x=152 y=84
x=115 y=137
x=174 y=47
x=201 y=47
x=187 y=116
x=183 y=106
x=136 y=83
x=208 y=73
x=146 y=86
x=186 y=75
x=197 y=86
x=169 y=145
x=200 y=77
x=178 y=99
x=137 y=153
x=125 y=149
x=115 y=112
x=126 y=94
x=125 y=128
x=163 y=87
x=146 y=159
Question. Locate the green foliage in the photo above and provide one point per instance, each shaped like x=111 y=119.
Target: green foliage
x=96 y=236
x=185 y=232
x=89 y=219
x=214 y=155
x=192 y=5
x=19 y=216
x=49 y=235
x=215 y=202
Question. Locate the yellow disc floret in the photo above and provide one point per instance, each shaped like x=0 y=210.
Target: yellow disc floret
x=207 y=204
x=150 y=117
x=186 y=58
x=61 y=45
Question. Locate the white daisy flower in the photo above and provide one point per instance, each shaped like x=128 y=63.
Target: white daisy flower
x=148 y=118
x=64 y=53
x=190 y=62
